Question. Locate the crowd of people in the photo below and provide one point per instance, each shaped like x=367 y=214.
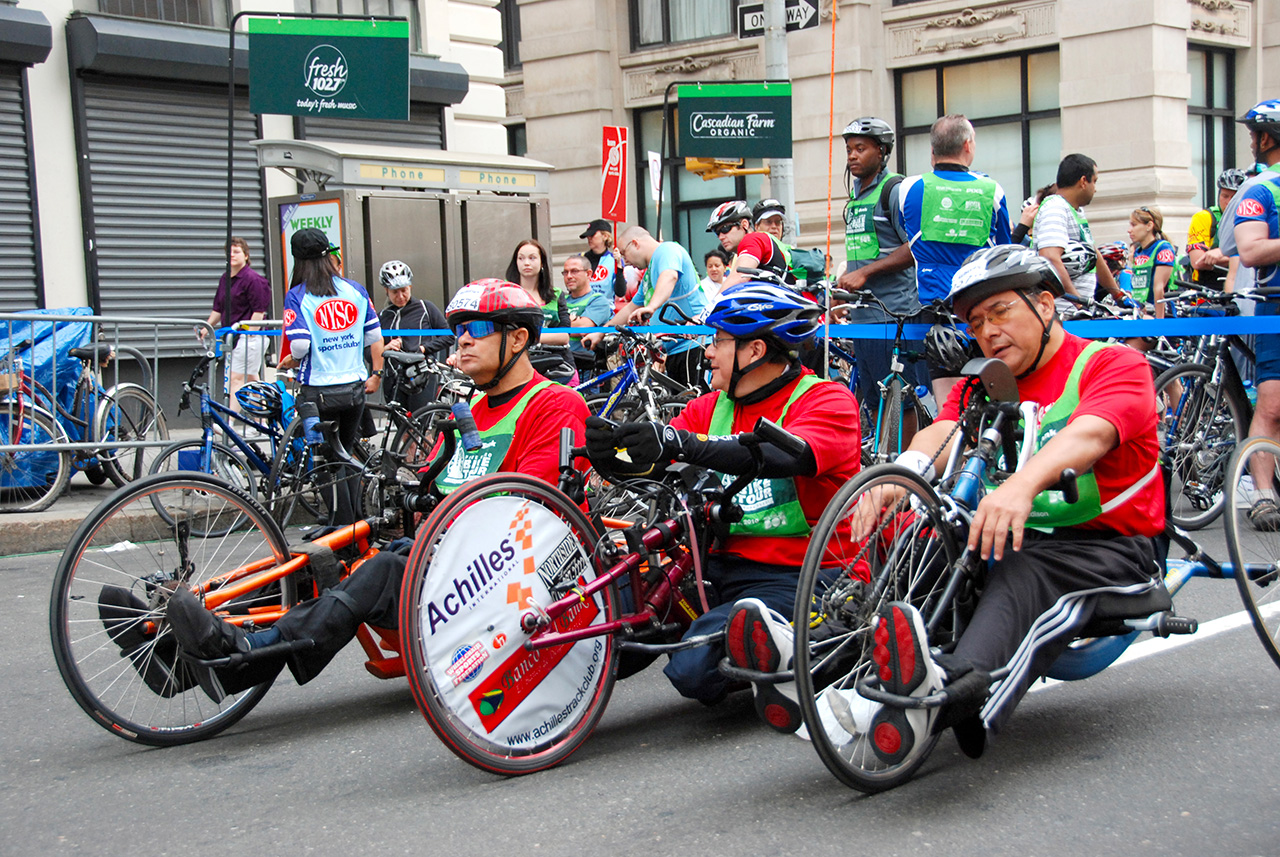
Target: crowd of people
x=940 y=240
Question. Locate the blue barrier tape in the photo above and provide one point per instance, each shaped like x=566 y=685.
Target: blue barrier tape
x=1240 y=325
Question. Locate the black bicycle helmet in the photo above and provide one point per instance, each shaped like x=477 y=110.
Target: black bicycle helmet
x=1001 y=268
x=1231 y=179
x=261 y=399
x=947 y=349
x=767 y=208
x=870 y=126
x=729 y=212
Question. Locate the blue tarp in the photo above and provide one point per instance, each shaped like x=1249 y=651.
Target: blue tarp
x=38 y=359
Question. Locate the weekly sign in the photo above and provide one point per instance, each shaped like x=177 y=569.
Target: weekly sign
x=352 y=69
x=735 y=120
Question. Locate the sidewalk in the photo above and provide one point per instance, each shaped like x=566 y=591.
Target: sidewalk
x=51 y=530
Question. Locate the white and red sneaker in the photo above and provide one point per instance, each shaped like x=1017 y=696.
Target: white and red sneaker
x=904 y=667
x=758 y=638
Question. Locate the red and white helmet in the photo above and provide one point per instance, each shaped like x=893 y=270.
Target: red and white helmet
x=496 y=300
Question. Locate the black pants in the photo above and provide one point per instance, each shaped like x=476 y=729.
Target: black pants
x=343 y=404
x=1037 y=599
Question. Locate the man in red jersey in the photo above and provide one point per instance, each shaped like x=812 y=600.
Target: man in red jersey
x=755 y=372
x=731 y=223
x=519 y=416
x=1049 y=558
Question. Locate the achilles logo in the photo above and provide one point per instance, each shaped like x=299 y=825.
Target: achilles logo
x=477 y=578
x=325 y=72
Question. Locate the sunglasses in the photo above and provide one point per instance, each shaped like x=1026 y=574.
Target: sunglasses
x=475 y=329
x=725 y=229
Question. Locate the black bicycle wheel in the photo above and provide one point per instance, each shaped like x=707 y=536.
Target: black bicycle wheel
x=33 y=477
x=222 y=462
x=112 y=643
x=905 y=554
x=493 y=551
x=303 y=485
x=887 y=448
x=1199 y=425
x=414 y=437
x=127 y=413
x=1255 y=553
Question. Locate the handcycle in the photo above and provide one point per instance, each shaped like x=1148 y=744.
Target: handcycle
x=915 y=553
x=519 y=611
x=121 y=663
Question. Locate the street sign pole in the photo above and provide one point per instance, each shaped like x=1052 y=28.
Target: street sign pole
x=781 y=173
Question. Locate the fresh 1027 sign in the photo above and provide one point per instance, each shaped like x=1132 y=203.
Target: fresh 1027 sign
x=735 y=120
x=347 y=69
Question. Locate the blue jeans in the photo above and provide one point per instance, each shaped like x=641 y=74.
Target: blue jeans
x=693 y=672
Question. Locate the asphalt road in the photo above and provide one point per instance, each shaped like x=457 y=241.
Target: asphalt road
x=1173 y=753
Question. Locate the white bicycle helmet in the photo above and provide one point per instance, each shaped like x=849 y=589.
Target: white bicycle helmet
x=1078 y=259
x=395 y=275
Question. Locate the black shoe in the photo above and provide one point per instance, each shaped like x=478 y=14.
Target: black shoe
x=971 y=735
x=200 y=633
x=155 y=658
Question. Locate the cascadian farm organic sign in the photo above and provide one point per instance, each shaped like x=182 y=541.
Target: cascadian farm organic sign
x=735 y=120
x=346 y=69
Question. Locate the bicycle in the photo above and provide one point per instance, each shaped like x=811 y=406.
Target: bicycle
x=890 y=431
x=123 y=667
x=515 y=682
x=124 y=412
x=33 y=476
x=640 y=391
x=915 y=553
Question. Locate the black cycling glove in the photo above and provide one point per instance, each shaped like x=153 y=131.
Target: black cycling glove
x=647 y=444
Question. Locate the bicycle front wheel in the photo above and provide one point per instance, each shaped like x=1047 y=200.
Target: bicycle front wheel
x=220 y=461
x=501 y=547
x=1199 y=425
x=1255 y=550
x=906 y=554
x=33 y=477
x=127 y=413
x=107 y=615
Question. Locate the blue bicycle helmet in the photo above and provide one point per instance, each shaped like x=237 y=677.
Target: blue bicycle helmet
x=260 y=398
x=758 y=310
x=1264 y=116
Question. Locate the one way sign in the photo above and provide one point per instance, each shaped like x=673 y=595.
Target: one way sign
x=801 y=15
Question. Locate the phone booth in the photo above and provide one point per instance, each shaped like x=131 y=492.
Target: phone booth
x=452 y=217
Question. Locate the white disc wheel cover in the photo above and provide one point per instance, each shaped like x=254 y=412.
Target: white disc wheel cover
x=496 y=560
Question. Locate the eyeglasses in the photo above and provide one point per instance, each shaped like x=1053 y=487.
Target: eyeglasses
x=721 y=340
x=475 y=329
x=725 y=228
x=568 y=271
x=998 y=314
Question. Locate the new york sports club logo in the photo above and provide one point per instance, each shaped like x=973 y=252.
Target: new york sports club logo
x=1165 y=257
x=1251 y=208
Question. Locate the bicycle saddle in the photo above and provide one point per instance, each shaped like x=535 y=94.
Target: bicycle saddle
x=98 y=352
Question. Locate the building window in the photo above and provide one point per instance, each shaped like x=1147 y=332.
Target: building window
x=385 y=8
x=1013 y=105
x=517 y=142
x=510 y=45
x=687 y=201
x=1211 y=126
x=663 y=22
x=205 y=13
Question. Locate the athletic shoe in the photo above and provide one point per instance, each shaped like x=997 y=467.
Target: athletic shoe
x=760 y=639
x=1265 y=516
x=846 y=717
x=904 y=668
x=154 y=657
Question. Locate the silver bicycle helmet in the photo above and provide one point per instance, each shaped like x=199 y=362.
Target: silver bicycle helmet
x=1002 y=268
x=729 y=212
x=1078 y=259
x=395 y=275
x=1231 y=179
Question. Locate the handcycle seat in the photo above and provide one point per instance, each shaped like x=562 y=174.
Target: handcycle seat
x=1111 y=609
x=98 y=352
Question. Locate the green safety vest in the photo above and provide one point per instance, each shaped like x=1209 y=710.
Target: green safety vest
x=861 y=243
x=495 y=441
x=954 y=212
x=1049 y=509
x=1086 y=234
x=551 y=309
x=1144 y=274
x=771 y=507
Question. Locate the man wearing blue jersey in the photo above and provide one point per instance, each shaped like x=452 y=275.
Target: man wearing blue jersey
x=949 y=213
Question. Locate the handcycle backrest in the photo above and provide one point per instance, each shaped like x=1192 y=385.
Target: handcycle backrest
x=996 y=377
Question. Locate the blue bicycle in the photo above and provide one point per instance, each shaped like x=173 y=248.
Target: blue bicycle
x=241 y=461
x=639 y=390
